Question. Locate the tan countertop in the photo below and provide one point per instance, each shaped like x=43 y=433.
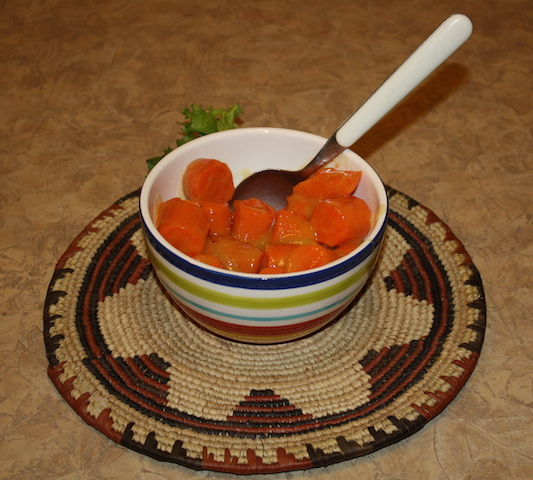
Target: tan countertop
x=89 y=90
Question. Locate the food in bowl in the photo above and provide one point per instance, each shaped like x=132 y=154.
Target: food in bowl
x=323 y=220
x=253 y=307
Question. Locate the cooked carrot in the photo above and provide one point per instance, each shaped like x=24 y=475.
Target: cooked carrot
x=236 y=255
x=305 y=257
x=252 y=221
x=329 y=183
x=272 y=270
x=291 y=227
x=209 y=248
x=208 y=179
x=302 y=204
x=219 y=216
x=322 y=221
x=340 y=220
x=276 y=255
x=212 y=260
x=346 y=248
x=184 y=225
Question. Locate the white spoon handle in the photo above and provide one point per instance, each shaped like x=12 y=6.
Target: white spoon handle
x=447 y=38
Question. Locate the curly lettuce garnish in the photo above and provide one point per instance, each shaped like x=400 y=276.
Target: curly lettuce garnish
x=200 y=122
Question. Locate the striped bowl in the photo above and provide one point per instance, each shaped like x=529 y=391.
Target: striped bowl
x=256 y=308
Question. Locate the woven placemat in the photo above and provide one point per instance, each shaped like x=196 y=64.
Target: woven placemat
x=133 y=367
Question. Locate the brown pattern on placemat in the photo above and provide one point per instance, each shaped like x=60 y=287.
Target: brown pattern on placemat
x=133 y=367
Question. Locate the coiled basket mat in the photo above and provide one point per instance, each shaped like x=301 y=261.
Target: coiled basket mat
x=134 y=368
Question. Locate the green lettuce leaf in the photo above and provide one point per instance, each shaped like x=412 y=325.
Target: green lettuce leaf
x=200 y=122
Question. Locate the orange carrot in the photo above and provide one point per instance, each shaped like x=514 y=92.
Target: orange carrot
x=212 y=260
x=272 y=270
x=302 y=204
x=236 y=255
x=329 y=183
x=208 y=179
x=219 y=216
x=209 y=248
x=346 y=248
x=184 y=225
x=322 y=221
x=340 y=220
x=291 y=227
x=305 y=257
x=276 y=255
x=252 y=221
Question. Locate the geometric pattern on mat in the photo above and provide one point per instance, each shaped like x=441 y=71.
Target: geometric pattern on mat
x=137 y=370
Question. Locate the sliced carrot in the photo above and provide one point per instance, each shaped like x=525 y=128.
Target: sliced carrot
x=272 y=270
x=209 y=248
x=219 y=216
x=276 y=255
x=236 y=255
x=329 y=183
x=252 y=221
x=212 y=260
x=346 y=248
x=340 y=220
x=291 y=227
x=302 y=204
x=208 y=179
x=305 y=257
x=184 y=225
x=322 y=221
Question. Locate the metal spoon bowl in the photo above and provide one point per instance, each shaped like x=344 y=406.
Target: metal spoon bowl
x=273 y=186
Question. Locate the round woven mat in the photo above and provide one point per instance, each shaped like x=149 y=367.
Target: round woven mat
x=133 y=367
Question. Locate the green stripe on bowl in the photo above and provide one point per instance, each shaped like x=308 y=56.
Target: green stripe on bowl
x=261 y=303
x=224 y=316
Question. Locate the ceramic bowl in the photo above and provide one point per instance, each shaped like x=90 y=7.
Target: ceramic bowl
x=256 y=308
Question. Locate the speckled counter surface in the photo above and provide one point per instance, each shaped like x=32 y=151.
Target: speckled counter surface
x=89 y=90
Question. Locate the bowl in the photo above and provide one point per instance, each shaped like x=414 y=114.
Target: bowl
x=255 y=308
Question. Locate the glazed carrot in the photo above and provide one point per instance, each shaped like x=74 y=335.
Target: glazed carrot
x=302 y=204
x=252 y=221
x=212 y=260
x=184 y=225
x=329 y=183
x=272 y=270
x=291 y=227
x=208 y=179
x=340 y=220
x=276 y=255
x=346 y=248
x=305 y=257
x=322 y=221
x=219 y=216
x=209 y=248
x=236 y=255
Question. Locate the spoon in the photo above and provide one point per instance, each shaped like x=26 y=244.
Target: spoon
x=273 y=186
